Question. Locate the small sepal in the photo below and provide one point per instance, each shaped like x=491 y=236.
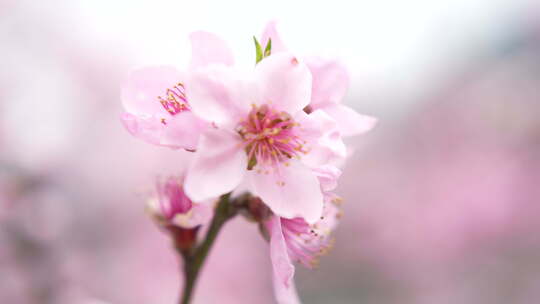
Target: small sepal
x=259 y=54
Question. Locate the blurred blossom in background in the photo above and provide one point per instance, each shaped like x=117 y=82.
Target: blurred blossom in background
x=442 y=200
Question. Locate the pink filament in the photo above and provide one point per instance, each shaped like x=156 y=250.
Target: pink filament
x=269 y=136
x=175 y=100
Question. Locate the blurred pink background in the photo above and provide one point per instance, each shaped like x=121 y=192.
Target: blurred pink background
x=442 y=199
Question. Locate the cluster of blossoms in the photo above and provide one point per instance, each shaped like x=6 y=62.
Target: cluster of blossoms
x=272 y=134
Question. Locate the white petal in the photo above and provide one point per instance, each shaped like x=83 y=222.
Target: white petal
x=292 y=191
x=349 y=121
x=219 y=165
x=283 y=82
x=219 y=94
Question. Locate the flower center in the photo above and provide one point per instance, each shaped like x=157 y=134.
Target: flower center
x=174 y=101
x=270 y=137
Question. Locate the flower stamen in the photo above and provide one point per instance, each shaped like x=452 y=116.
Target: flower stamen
x=270 y=137
x=174 y=101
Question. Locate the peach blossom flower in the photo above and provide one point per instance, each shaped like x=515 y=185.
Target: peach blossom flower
x=262 y=135
x=157 y=108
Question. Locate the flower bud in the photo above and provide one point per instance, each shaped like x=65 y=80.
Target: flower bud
x=174 y=211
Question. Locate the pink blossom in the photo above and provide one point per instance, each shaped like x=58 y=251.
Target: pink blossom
x=294 y=240
x=283 y=269
x=157 y=108
x=262 y=136
x=171 y=206
x=330 y=84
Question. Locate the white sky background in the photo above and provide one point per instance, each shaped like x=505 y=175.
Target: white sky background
x=395 y=50
x=389 y=46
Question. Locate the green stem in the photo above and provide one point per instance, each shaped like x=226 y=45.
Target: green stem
x=194 y=260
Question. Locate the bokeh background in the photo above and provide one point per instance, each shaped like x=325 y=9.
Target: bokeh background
x=442 y=199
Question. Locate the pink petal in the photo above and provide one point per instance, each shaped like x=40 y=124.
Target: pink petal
x=183 y=131
x=219 y=165
x=148 y=129
x=328 y=176
x=294 y=191
x=286 y=295
x=207 y=48
x=143 y=86
x=309 y=126
x=349 y=121
x=283 y=269
x=219 y=94
x=270 y=32
x=323 y=139
x=330 y=82
x=284 y=82
x=330 y=150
